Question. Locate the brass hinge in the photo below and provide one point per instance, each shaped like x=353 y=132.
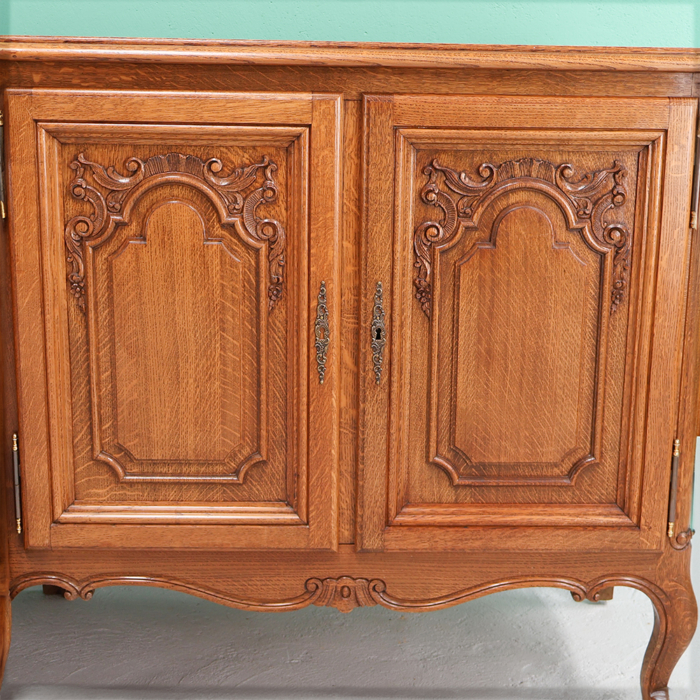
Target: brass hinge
x=695 y=198
x=673 y=502
x=677 y=540
x=18 y=495
x=3 y=211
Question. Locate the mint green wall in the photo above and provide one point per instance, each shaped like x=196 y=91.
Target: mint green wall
x=573 y=22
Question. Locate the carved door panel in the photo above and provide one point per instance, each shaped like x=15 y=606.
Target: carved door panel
x=169 y=251
x=532 y=254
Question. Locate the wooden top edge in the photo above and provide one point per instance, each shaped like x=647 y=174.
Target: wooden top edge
x=327 y=53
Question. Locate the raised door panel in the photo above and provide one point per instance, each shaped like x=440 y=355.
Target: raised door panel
x=526 y=255
x=177 y=266
x=188 y=332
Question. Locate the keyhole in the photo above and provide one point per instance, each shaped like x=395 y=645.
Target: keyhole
x=378 y=334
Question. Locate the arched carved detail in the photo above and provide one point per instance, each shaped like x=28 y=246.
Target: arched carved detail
x=236 y=203
x=586 y=203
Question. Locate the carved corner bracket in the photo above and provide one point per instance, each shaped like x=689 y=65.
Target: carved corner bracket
x=587 y=200
x=236 y=197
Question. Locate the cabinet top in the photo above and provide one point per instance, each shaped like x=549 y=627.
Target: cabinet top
x=349 y=54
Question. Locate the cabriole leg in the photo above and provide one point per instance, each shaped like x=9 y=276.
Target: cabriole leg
x=675 y=620
x=6 y=613
x=52 y=590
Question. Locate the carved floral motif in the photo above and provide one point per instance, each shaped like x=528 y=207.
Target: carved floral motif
x=590 y=199
x=233 y=195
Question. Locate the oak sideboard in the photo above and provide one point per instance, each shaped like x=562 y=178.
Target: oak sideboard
x=290 y=324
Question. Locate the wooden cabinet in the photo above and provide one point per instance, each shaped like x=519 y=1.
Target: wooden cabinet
x=288 y=324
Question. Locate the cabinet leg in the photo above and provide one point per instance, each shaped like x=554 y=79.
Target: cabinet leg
x=606 y=593
x=52 y=590
x=5 y=629
x=675 y=620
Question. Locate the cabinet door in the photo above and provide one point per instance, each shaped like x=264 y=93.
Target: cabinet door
x=532 y=256
x=169 y=250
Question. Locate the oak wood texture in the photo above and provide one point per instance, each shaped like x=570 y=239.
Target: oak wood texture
x=429 y=581
x=458 y=474
x=353 y=82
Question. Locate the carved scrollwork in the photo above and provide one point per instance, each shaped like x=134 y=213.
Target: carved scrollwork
x=81 y=228
x=344 y=593
x=232 y=195
x=681 y=540
x=593 y=196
